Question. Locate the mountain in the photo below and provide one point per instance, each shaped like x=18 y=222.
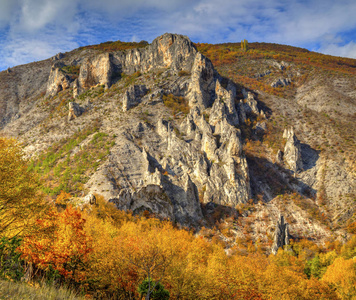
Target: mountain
x=204 y=135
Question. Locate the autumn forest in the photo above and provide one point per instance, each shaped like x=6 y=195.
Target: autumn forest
x=103 y=253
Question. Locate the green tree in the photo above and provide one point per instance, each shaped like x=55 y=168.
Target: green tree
x=11 y=264
x=20 y=200
x=152 y=290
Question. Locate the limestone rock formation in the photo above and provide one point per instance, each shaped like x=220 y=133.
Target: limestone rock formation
x=292 y=151
x=57 y=80
x=172 y=164
x=281 y=237
x=133 y=96
x=281 y=82
x=90 y=199
x=227 y=99
x=58 y=56
x=261 y=127
x=251 y=103
x=74 y=111
x=202 y=82
x=242 y=113
x=151 y=198
x=94 y=71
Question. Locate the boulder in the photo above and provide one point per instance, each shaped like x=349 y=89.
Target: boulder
x=90 y=199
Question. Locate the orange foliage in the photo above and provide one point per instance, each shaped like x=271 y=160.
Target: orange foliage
x=124 y=250
x=59 y=242
x=63 y=197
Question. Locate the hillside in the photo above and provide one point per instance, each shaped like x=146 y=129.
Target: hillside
x=194 y=134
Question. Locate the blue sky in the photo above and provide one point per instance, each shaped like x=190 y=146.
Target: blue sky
x=32 y=30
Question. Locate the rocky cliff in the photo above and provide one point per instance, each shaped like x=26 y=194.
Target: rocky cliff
x=158 y=129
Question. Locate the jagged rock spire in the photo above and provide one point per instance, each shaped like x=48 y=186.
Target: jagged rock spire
x=292 y=151
x=281 y=237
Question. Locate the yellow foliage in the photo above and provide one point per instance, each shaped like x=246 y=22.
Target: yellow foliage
x=20 y=200
x=63 y=198
x=342 y=275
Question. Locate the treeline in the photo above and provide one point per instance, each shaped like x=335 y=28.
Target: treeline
x=106 y=253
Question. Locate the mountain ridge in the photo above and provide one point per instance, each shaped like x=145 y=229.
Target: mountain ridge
x=201 y=159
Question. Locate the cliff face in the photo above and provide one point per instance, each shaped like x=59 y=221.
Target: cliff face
x=163 y=166
x=159 y=129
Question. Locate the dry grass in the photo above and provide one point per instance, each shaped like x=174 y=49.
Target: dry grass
x=177 y=104
x=23 y=291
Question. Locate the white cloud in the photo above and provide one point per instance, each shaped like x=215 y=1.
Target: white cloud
x=49 y=26
x=7 y=11
x=348 y=50
x=21 y=51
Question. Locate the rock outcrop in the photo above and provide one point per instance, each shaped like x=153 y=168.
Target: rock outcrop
x=173 y=160
x=292 y=151
x=281 y=237
x=90 y=199
x=166 y=51
x=151 y=198
x=94 y=71
x=74 y=111
x=250 y=105
x=281 y=82
x=57 y=80
x=133 y=96
x=202 y=82
x=279 y=157
x=58 y=56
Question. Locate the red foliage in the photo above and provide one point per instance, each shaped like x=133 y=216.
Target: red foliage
x=58 y=241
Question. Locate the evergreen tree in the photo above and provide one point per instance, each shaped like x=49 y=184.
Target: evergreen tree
x=153 y=290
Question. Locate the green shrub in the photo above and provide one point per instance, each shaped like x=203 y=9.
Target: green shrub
x=11 y=265
x=156 y=290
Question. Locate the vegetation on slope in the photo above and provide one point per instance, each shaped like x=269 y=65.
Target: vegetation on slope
x=116 y=46
x=329 y=132
x=18 y=290
x=62 y=168
x=107 y=253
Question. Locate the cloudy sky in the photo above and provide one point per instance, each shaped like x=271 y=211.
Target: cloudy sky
x=32 y=30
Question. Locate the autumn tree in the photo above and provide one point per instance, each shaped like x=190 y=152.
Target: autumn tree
x=342 y=275
x=20 y=200
x=149 y=251
x=59 y=242
x=244 y=45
